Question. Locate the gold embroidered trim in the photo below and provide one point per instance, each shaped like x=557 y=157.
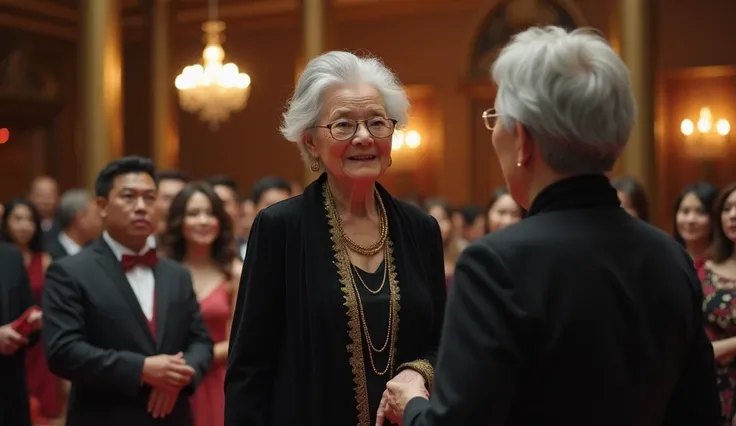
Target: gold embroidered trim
x=355 y=347
x=423 y=367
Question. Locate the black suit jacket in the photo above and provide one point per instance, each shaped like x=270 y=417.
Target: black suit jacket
x=54 y=248
x=97 y=337
x=578 y=315
x=15 y=298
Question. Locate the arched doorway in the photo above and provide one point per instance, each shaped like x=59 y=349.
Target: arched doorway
x=504 y=19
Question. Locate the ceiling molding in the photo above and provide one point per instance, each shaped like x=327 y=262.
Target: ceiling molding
x=37 y=26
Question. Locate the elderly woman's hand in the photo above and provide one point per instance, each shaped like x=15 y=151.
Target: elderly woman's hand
x=400 y=390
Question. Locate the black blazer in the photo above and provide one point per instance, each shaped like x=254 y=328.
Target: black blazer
x=294 y=359
x=97 y=337
x=578 y=315
x=15 y=298
x=54 y=248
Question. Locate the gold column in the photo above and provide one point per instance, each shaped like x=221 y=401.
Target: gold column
x=635 y=34
x=100 y=122
x=164 y=131
x=314 y=37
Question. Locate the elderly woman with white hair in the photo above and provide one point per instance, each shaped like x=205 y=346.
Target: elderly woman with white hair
x=580 y=314
x=343 y=287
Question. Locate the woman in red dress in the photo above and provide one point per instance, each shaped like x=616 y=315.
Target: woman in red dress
x=719 y=303
x=21 y=225
x=200 y=235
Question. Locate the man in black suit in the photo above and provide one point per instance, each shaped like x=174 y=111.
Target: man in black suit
x=15 y=298
x=80 y=224
x=123 y=326
x=580 y=314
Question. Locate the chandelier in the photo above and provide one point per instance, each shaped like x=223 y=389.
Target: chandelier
x=213 y=90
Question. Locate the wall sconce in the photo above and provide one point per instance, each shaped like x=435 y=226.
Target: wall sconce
x=703 y=139
x=410 y=139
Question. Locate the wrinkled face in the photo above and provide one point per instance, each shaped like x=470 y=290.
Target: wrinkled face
x=693 y=221
x=129 y=212
x=504 y=212
x=627 y=205
x=513 y=150
x=362 y=156
x=200 y=225
x=440 y=215
x=21 y=226
x=728 y=217
x=271 y=197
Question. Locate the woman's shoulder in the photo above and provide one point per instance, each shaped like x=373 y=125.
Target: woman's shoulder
x=286 y=210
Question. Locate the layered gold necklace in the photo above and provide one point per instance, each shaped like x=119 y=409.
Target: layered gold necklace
x=372 y=250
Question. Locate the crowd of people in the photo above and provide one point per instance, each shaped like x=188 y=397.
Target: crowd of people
x=157 y=300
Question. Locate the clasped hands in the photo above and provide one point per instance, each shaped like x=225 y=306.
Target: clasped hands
x=11 y=341
x=166 y=374
x=405 y=386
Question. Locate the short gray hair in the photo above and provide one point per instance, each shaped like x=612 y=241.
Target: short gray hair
x=336 y=68
x=72 y=202
x=571 y=92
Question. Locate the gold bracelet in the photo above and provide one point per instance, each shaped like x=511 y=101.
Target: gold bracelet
x=423 y=367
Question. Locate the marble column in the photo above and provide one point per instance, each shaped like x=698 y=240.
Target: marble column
x=635 y=32
x=314 y=35
x=100 y=119
x=164 y=130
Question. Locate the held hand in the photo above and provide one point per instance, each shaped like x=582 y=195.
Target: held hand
x=35 y=320
x=161 y=402
x=10 y=340
x=168 y=372
x=400 y=393
x=386 y=412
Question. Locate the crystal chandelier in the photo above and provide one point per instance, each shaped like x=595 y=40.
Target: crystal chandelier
x=213 y=90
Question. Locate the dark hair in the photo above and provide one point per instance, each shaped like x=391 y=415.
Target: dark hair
x=36 y=244
x=226 y=181
x=705 y=193
x=496 y=194
x=171 y=175
x=122 y=166
x=633 y=189
x=721 y=248
x=470 y=213
x=267 y=184
x=223 y=248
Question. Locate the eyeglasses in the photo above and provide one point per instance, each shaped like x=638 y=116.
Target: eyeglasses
x=344 y=129
x=489 y=118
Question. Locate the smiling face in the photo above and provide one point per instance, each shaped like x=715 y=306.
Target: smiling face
x=362 y=157
x=728 y=217
x=693 y=221
x=21 y=225
x=200 y=226
x=504 y=212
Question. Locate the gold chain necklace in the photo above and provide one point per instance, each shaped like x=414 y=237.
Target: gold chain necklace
x=374 y=248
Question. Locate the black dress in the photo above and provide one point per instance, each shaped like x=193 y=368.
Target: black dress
x=298 y=356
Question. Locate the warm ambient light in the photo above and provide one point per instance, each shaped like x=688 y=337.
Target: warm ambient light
x=4 y=135
x=705 y=125
x=213 y=90
x=411 y=139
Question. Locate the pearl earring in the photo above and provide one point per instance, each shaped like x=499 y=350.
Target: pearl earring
x=518 y=164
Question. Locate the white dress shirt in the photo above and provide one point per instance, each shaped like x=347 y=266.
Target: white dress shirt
x=69 y=245
x=140 y=277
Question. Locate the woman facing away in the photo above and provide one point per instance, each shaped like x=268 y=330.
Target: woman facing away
x=199 y=235
x=343 y=287
x=580 y=314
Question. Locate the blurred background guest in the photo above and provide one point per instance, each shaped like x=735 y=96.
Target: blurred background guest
x=693 y=224
x=502 y=210
x=79 y=221
x=632 y=196
x=440 y=211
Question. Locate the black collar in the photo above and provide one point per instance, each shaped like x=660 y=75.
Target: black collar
x=577 y=192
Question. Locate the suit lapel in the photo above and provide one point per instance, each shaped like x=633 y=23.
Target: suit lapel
x=112 y=268
x=162 y=289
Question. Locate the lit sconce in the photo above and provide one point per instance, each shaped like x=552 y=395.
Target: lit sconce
x=705 y=139
x=411 y=140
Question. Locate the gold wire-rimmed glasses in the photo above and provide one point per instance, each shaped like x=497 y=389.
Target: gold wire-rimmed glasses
x=344 y=129
x=489 y=118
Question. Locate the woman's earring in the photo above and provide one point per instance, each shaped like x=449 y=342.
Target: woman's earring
x=518 y=164
x=390 y=161
x=315 y=165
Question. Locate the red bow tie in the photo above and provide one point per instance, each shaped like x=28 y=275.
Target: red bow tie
x=147 y=259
